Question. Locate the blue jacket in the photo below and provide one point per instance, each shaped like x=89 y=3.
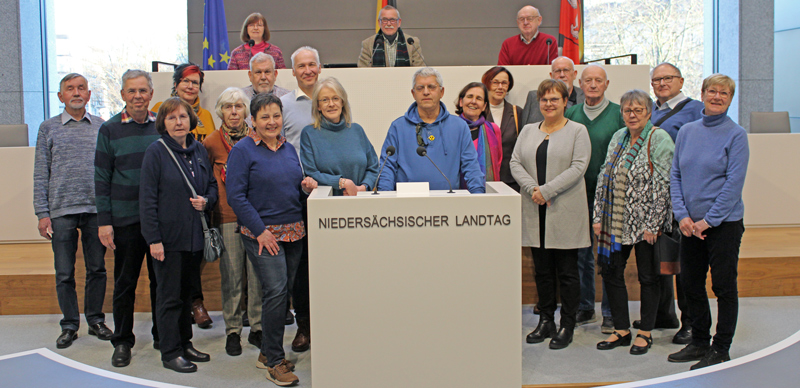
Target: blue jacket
x=448 y=143
x=166 y=214
x=689 y=113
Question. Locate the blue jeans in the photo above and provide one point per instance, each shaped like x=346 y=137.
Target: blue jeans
x=586 y=272
x=65 y=245
x=275 y=273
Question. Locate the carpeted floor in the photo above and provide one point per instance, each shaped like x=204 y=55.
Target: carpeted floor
x=762 y=322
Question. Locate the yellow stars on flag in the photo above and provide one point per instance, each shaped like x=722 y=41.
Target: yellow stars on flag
x=205 y=43
x=225 y=57
x=211 y=61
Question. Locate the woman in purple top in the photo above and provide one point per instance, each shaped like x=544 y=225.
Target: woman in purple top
x=706 y=184
x=255 y=34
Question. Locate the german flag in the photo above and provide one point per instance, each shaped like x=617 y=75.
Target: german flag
x=570 y=30
x=381 y=4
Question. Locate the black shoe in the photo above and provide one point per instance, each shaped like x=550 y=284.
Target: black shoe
x=608 y=325
x=254 y=338
x=65 y=339
x=121 y=356
x=639 y=350
x=683 y=336
x=622 y=340
x=562 y=339
x=156 y=345
x=245 y=321
x=180 y=364
x=233 y=345
x=101 y=331
x=192 y=354
x=713 y=357
x=545 y=329
x=691 y=352
x=584 y=317
x=289 y=318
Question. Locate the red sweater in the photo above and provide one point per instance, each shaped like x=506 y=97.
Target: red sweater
x=515 y=52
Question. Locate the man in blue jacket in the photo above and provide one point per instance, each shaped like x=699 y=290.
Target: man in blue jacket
x=445 y=137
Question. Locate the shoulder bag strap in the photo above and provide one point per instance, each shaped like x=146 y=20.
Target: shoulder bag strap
x=672 y=112
x=516 y=120
x=194 y=194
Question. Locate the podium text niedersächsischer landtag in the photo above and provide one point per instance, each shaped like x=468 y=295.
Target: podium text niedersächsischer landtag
x=427 y=221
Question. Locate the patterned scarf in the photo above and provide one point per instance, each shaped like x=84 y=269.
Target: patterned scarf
x=229 y=139
x=379 y=51
x=488 y=146
x=615 y=186
x=195 y=106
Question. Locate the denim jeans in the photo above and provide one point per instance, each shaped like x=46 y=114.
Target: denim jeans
x=65 y=245
x=173 y=301
x=232 y=267
x=275 y=273
x=586 y=271
x=719 y=252
x=128 y=257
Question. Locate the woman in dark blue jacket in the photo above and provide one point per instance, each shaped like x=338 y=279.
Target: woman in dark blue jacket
x=171 y=225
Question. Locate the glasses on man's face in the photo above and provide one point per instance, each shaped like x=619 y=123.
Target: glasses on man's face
x=190 y=82
x=552 y=101
x=431 y=87
x=636 y=111
x=389 y=20
x=667 y=79
x=420 y=138
x=496 y=83
x=529 y=19
x=325 y=101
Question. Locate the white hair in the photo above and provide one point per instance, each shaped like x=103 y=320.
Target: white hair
x=232 y=95
x=306 y=48
x=260 y=58
x=427 y=72
x=131 y=74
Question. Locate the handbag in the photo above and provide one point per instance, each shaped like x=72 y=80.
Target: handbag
x=667 y=246
x=213 y=247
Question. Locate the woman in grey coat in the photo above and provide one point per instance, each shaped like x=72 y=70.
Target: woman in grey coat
x=548 y=162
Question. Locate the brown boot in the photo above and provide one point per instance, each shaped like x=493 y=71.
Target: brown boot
x=302 y=341
x=200 y=314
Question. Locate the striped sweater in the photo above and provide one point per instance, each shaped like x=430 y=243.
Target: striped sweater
x=117 y=163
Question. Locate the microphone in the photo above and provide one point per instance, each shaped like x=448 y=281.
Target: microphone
x=252 y=43
x=549 y=42
x=421 y=151
x=410 y=41
x=389 y=152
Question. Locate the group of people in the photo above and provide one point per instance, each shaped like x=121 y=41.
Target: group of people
x=146 y=184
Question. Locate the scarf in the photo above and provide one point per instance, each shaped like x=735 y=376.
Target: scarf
x=182 y=154
x=379 y=51
x=195 y=106
x=615 y=186
x=229 y=139
x=488 y=146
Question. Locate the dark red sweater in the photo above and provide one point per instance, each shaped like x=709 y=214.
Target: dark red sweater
x=515 y=52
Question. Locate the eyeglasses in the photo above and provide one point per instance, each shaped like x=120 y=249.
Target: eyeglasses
x=721 y=93
x=667 y=79
x=335 y=99
x=256 y=25
x=420 y=139
x=232 y=106
x=431 y=87
x=637 y=111
x=529 y=19
x=500 y=83
x=389 y=20
x=553 y=101
x=565 y=71
x=190 y=82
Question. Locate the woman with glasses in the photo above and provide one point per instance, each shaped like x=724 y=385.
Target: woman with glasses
x=472 y=107
x=187 y=83
x=708 y=173
x=334 y=150
x=548 y=162
x=499 y=82
x=254 y=34
x=631 y=208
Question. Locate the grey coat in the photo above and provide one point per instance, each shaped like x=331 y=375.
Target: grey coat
x=568 y=153
x=531 y=113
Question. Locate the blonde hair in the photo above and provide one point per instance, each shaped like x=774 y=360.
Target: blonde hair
x=719 y=80
x=332 y=84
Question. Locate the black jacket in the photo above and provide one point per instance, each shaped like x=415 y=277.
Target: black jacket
x=166 y=214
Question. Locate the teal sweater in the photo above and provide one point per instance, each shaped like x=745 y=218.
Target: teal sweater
x=601 y=130
x=117 y=165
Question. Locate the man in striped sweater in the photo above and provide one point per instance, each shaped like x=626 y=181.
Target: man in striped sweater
x=121 y=143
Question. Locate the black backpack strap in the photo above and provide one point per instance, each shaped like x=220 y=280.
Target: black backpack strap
x=674 y=111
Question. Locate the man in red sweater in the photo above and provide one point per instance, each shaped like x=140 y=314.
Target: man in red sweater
x=530 y=47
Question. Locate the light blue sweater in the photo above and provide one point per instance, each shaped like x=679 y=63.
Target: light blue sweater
x=338 y=151
x=709 y=169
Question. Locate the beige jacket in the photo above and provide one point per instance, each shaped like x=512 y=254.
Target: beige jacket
x=414 y=52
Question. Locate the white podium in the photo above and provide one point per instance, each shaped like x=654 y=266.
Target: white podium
x=416 y=291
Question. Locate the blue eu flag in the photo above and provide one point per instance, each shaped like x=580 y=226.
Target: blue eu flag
x=215 y=37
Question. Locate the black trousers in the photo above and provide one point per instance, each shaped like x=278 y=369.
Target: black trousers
x=174 y=302
x=557 y=266
x=298 y=289
x=128 y=257
x=614 y=281
x=719 y=252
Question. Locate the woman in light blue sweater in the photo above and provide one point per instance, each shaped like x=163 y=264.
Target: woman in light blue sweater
x=334 y=150
x=707 y=179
